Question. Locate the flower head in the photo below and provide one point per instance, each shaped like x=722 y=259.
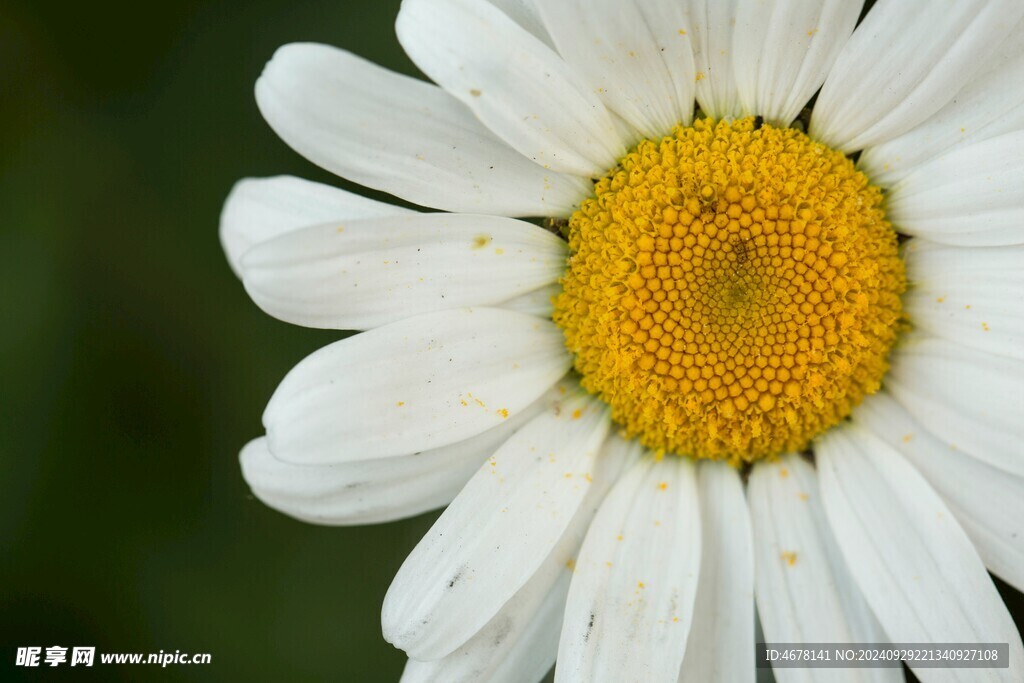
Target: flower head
x=766 y=345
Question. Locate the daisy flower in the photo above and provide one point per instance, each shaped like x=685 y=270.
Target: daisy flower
x=765 y=346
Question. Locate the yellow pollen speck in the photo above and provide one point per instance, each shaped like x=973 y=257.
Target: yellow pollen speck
x=481 y=241
x=789 y=557
x=619 y=537
x=400 y=404
x=985 y=326
x=700 y=76
x=570 y=564
x=576 y=414
x=682 y=32
x=639 y=584
x=783 y=472
x=499 y=251
x=940 y=299
x=504 y=413
x=803 y=496
x=907 y=438
x=733 y=290
x=663 y=485
x=475 y=92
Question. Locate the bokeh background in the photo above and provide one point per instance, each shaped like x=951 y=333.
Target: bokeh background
x=132 y=365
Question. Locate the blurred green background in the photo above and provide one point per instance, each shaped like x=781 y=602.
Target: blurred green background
x=133 y=365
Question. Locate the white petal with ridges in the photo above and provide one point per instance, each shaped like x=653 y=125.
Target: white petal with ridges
x=630 y=605
x=971 y=196
x=991 y=104
x=259 y=209
x=783 y=50
x=712 y=23
x=361 y=492
x=496 y=532
x=804 y=592
x=379 y=490
x=988 y=502
x=516 y=646
x=514 y=83
x=421 y=383
x=905 y=61
x=520 y=641
x=526 y=14
x=636 y=55
x=721 y=647
x=403 y=136
x=971 y=399
x=969 y=295
x=363 y=274
x=915 y=565
x=539 y=302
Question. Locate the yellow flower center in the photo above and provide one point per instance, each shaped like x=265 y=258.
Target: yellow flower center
x=733 y=290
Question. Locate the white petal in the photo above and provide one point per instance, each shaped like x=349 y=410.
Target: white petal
x=517 y=646
x=514 y=83
x=973 y=195
x=712 y=23
x=991 y=104
x=496 y=532
x=782 y=52
x=379 y=490
x=721 y=648
x=526 y=14
x=363 y=274
x=260 y=209
x=804 y=591
x=417 y=384
x=403 y=136
x=971 y=296
x=971 y=399
x=630 y=604
x=361 y=492
x=539 y=302
x=988 y=502
x=903 y=63
x=520 y=641
x=635 y=54
x=913 y=562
